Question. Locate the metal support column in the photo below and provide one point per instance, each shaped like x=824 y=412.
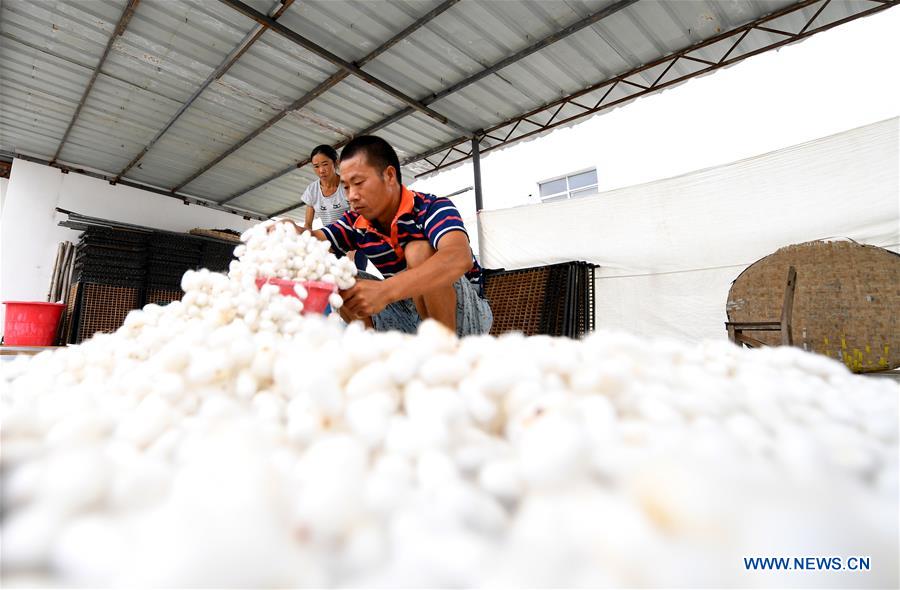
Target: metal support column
x=479 y=204
x=476 y=164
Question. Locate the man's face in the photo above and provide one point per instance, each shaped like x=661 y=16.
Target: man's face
x=368 y=190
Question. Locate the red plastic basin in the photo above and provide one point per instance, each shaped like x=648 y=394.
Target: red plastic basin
x=317 y=292
x=31 y=323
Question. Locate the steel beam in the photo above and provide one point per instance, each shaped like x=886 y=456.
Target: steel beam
x=350 y=68
x=505 y=133
x=120 y=28
x=459 y=191
x=546 y=41
x=262 y=182
x=245 y=44
x=285 y=210
x=330 y=82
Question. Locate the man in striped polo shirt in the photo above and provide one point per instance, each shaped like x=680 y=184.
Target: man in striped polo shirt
x=417 y=241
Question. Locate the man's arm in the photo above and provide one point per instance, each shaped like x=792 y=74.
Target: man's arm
x=450 y=261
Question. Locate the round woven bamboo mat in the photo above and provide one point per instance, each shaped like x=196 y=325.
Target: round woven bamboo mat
x=846 y=303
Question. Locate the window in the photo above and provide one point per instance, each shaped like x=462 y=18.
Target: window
x=569 y=187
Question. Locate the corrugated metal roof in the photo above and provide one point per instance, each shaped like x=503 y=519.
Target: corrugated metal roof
x=170 y=47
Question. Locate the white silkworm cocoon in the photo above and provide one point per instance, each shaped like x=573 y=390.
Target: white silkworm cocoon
x=262 y=364
x=599 y=418
x=149 y=419
x=245 y=385
x=79 y=428
x=400 y=366
x=303 y=427
x=89 y=550
x=472 y=506
x=169 y=385
x=364 y=549
x=481 y=408
x=332 y=498
x=268 y=406
x=372 y=377
x=335 y=301
x=75 y=479
x=368 y=417
x=435 y=470
x=401 y=437
x=552 y=451
x=502 y=479
x=443 y=369
x=139 y=482
x=22 y=484
x=29 y=535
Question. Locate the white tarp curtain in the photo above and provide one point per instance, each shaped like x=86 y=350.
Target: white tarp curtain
x=669 y=250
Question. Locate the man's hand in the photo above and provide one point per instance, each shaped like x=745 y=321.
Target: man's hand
x=365 y=298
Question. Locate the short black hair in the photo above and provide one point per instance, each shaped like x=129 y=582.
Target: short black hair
x=379 y=153
x=326 y=150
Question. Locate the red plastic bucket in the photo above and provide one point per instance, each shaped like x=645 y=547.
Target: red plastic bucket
x=31 y=323
x=317 y=292
x=317 y=296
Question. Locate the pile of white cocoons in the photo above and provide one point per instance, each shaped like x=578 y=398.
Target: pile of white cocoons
x=277 y=250
x=227 y=441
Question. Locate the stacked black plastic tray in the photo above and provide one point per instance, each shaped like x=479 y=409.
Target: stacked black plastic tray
x=557 y=300
x=216 y=256
x=569 y=300
x=110 y=257
x=117 y=270
x=107 y=281
x=169 y=257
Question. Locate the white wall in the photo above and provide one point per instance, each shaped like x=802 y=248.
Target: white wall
x=29 y=233
x=831 y=82
x=3 y=184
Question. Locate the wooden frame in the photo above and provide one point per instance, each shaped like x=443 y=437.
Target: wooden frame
x=736 y=330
